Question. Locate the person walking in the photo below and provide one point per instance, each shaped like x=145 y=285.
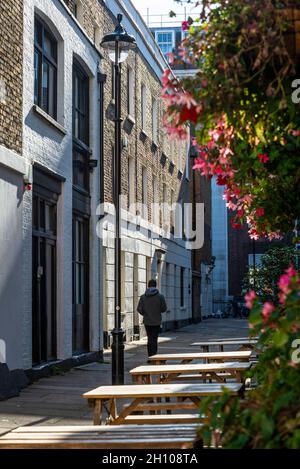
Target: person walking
x=151 y=305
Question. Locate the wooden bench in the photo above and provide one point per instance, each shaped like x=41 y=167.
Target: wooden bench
x=102 y=437
x=228 y=339
x=245 y=344
x=207 y=357
x=218 y=372
x=107 y=398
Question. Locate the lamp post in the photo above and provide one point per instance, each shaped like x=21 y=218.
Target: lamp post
x=118 y=45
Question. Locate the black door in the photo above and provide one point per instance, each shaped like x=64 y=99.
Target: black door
x=196 y=294
x=44 y=278
x=80 y=284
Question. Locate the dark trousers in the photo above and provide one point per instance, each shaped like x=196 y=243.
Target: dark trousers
x=152 y=334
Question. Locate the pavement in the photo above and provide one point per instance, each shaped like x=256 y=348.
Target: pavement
x=57 y=400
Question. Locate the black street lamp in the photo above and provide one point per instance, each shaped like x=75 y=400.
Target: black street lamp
x=118 y=45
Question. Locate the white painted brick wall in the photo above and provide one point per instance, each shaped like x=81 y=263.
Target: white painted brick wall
x=44 y=144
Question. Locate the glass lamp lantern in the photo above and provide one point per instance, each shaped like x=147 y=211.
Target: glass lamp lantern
x=119 y=43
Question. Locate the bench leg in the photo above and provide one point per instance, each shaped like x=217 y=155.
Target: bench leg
x=98 y=412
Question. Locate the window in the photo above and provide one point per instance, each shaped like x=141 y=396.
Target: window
x=182 y=286
x=154 y=120
x=145 y=193
x=112 y=81
x=45 y=69
x=97 y=36
x=255 y=259
x=143 y=106
x=130 y=91
x=165 y=209
x=172 y=209
x=131 y=182
x=79 y=11
x=165 y=40
x=155 y=209
x=80 y=128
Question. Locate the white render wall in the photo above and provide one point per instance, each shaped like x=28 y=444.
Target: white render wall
x=47 y=145
x=140 y=244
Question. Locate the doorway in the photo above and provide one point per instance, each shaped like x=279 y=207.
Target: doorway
x=44 y=276
x=80 y=295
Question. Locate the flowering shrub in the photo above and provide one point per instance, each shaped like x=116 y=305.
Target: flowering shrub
x=247 y=127
x=269 y=416
x=264 y=278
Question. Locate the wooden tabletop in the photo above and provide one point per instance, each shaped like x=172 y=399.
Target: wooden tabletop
x=226 y=339
x=234 y=355
x=101 y=437
x=188 y=368
x=161 y=390
x=227 y=342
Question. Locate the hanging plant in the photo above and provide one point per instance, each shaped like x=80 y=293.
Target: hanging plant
x=247 y=127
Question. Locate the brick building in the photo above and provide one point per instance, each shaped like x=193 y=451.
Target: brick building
x=56 y=148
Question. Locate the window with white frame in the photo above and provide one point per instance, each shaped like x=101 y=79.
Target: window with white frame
x=155 y=210
x=131 y=183
x=78 y=11
x=165 y=40
x=165 y=209
x=145 y=193
x=130 y=92
x=154 y=120
x=143 y=107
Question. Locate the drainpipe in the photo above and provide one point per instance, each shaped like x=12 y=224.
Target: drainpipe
x=101 y=81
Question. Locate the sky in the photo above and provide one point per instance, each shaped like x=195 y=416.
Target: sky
x=161 y=7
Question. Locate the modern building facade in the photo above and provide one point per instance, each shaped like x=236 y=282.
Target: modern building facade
x=56 y=179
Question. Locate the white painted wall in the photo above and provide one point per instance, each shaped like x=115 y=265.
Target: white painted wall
x=45 y=144
x=12 y=171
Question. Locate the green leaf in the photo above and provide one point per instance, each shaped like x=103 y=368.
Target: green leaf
x=280 y=338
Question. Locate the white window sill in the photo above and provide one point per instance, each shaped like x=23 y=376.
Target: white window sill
x=48 y=119
x=131 y=119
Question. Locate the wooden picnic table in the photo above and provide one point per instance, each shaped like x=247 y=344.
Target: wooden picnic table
x=106 y=398
x=226 y=339
x=219 y=372
x=240 y=356
x=248 y=344
x=102 y=437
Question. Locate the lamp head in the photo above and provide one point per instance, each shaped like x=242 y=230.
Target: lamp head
x=119 y=40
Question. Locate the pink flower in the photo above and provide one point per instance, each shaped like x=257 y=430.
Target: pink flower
x=284 y=283
x=260 y=212
x=263 y=158
x=185 y=26
x=291 y=272
x=295 y=133
x=240 y=213
x=268 y=309
x=250 y=297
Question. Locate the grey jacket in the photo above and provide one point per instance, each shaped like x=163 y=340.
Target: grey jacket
x=151 y=305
